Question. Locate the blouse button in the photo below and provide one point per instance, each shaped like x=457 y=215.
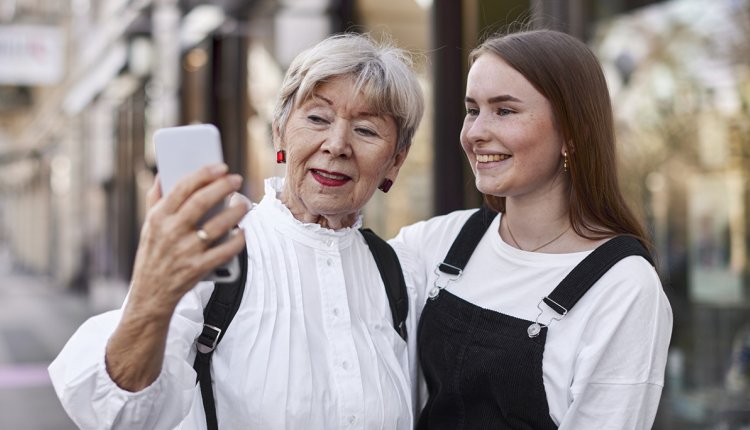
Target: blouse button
x=345 y=365
x=329 y=262
x=352 y=419
x=329 y=242
x=336 y=312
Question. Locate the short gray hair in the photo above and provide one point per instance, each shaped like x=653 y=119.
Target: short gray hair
x=382 y=72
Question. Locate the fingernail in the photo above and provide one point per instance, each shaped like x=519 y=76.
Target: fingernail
x=244 y=203
x=218 y=169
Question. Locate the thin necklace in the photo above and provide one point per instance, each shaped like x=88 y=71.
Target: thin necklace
x=507 y=225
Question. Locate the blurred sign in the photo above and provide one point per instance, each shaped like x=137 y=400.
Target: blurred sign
x=31 y=55
x=96 y=79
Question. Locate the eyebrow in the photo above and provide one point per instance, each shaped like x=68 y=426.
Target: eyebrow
x=317 y=95
x=497 y=99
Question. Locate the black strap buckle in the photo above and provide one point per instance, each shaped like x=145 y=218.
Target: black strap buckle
x=208 y=339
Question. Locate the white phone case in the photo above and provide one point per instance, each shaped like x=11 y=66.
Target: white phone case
x=181 y=151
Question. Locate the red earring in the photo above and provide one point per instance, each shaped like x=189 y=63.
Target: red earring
x=280 y=156
x=385 y=185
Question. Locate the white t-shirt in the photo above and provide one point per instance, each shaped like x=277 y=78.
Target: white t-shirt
x=312 y=346
x=603 y=365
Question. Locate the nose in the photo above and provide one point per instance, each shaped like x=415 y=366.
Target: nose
x=475 y=129
x=337 y=143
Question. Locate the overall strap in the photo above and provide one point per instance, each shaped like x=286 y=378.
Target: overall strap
x=393 y=278
x=221 y=308
x=467 y=240
x=594 y=266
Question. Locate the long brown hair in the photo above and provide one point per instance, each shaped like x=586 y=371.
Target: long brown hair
x=566 y=72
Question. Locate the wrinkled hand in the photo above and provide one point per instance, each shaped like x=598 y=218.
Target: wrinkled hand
x=171 y=258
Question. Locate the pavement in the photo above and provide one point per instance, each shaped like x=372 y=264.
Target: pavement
x=36 y=319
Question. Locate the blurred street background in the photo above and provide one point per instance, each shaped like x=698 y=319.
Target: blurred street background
x=85 y=83
x=36 y=319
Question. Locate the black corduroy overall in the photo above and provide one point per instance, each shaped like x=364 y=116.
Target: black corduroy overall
x=484 y=368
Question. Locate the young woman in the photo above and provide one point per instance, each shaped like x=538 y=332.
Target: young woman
x=504 y=341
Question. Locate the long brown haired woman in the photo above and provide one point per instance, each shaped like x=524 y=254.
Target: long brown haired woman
x=549 y=315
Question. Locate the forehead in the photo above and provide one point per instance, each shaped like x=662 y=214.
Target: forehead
x=345 y=90
x=337 y=90
x=342 y=95
x=491 y=76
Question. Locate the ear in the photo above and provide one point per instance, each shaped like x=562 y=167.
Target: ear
x=277 y=138
x=398 y=161
x=567 y=147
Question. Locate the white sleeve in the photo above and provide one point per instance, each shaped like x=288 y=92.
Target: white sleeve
x=415 y=278
x=94 y=401
x=423 y=245
x=420 y=248
x=619 y=369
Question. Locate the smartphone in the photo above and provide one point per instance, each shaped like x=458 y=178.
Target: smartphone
x=181 y=151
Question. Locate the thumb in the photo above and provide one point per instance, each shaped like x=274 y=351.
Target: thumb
x=154 y=193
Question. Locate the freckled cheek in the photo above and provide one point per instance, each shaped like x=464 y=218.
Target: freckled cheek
x=465 y=145
x=464 y=131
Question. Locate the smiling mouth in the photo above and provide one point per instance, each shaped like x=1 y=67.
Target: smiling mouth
x=488 y=158
x=329 y=178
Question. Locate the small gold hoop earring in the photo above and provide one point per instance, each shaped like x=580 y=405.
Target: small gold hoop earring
x=565 y=162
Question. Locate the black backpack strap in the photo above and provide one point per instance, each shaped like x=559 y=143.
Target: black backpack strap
x=393 y=278
x=594 y=266
x=226 y=299
x=221 y=307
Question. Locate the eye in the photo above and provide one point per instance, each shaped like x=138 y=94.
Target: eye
x=470 y=111
x=504 y=111
x=366 y=132
x=315 y=119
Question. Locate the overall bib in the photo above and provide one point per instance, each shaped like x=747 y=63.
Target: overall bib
x=484 y=368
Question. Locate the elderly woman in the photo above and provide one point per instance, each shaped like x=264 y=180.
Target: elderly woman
x=312 y=345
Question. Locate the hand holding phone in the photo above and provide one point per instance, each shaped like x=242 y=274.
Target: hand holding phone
x=181 y=151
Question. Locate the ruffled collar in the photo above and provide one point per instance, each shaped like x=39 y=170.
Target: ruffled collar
x=283 y=219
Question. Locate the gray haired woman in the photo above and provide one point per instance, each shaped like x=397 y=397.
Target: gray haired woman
x=312 y=344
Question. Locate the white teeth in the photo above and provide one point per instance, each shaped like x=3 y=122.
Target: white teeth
x=486 y=158
x=331 y=175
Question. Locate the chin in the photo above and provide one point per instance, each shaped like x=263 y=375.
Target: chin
x=486 y=188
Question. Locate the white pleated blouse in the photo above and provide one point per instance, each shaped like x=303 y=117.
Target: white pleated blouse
x=312 y=346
